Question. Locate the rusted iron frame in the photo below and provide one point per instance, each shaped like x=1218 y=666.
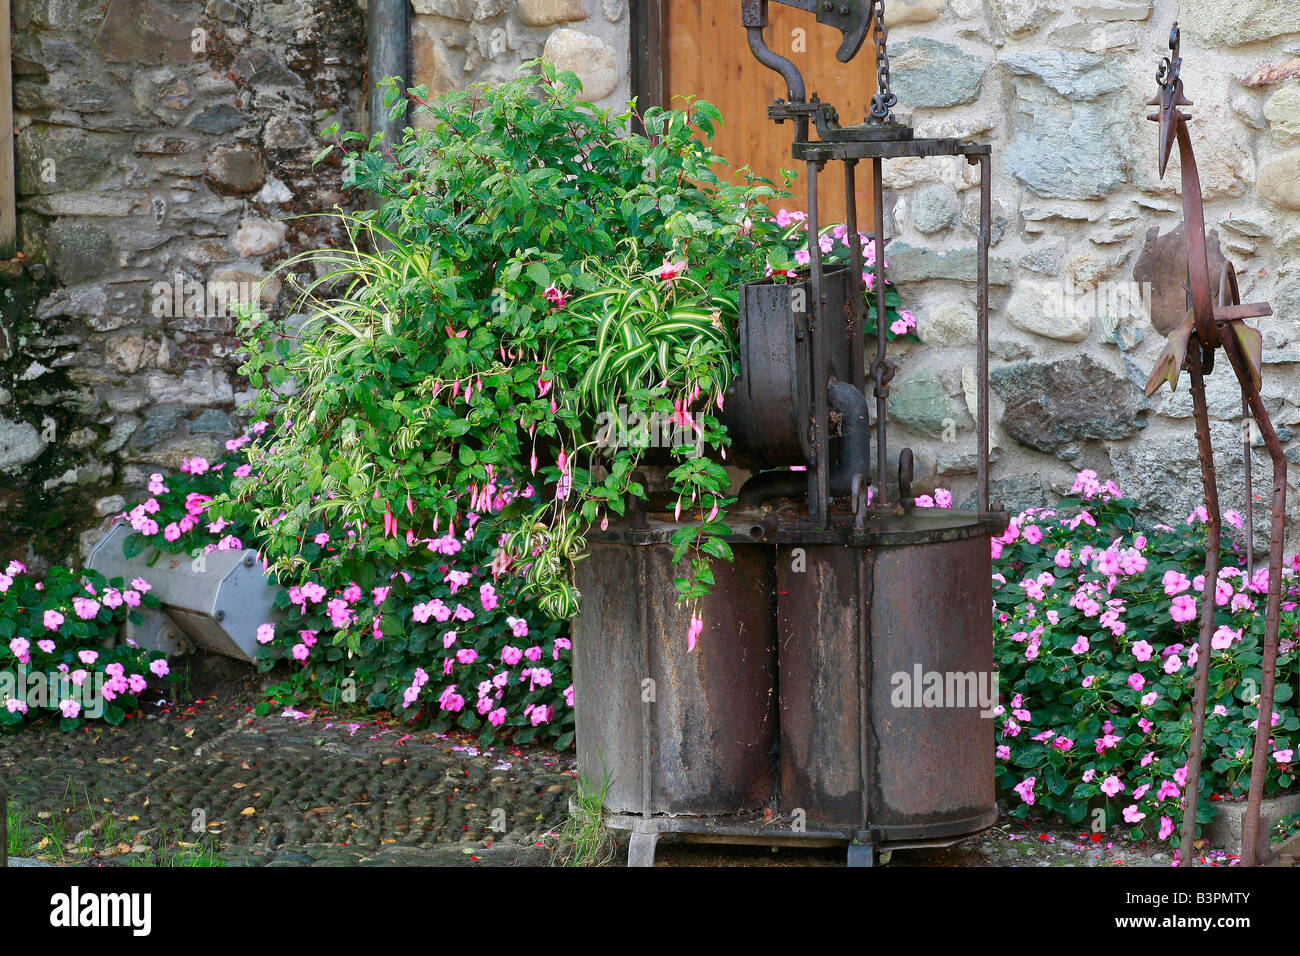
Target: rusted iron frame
x=1254 y=843
x=1230 y=295
x=819 y=476
x=881 y=370
x=858 y=348
x=1205 y=454
x=1209 y=322
x=982 y=331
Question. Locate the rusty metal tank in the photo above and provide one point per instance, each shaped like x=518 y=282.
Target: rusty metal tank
x=783 y=726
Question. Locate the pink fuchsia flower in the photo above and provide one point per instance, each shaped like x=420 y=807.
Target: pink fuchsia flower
x=671 y=270
x=1183 y=608
x=1026 y=790
x=1142 y=650
x=694 y=631
x=554 y=295
x=1111 y=786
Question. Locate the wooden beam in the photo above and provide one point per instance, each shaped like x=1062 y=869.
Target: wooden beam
x=647 y=55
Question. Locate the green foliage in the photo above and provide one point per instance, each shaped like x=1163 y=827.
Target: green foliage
x=442 y=357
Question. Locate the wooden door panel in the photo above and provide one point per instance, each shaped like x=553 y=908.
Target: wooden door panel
x=705 y=53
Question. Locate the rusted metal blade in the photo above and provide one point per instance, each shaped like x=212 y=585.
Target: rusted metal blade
x=1172 y=358
x=1237 y=312
x=1252 y=347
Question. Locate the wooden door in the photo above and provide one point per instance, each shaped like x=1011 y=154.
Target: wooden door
x=703 y=51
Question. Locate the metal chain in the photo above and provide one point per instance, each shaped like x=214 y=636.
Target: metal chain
x=884 y=100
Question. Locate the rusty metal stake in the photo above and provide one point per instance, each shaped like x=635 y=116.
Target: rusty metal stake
x=1208 y=327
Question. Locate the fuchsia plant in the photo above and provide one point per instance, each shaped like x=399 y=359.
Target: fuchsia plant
x=1094 y=621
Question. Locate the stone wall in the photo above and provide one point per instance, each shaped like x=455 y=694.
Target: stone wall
x=1058 y=87
x=458 y=42
x=161 y=149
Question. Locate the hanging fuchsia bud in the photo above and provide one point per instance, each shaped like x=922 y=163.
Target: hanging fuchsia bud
x=697 y=625
x=532 y=464
x=410 y=505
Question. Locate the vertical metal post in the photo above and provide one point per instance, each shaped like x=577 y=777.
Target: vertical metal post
x=982 y=335
x=1196 y=745
x=819 y=490
x=858 y=348
x=878 y=370
x=1248 y=430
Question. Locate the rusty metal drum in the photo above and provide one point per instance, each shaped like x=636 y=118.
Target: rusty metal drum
x=787 y=723
x=887 y=681
x=675 y=731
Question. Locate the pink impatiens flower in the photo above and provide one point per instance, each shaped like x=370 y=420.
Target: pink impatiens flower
x=1183 y=608
x=1026 y=790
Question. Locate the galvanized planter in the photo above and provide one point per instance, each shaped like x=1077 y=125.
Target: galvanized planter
x=782 y=726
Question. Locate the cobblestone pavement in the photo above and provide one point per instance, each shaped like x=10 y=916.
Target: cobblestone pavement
x=210 y=782
x=281 y=790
